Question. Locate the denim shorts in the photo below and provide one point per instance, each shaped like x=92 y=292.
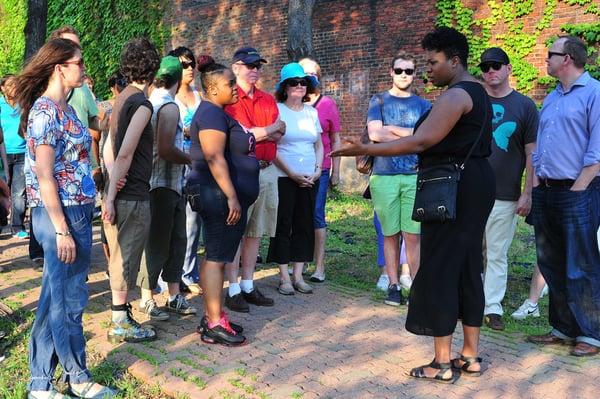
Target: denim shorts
x=320 y=200
x=221 y=240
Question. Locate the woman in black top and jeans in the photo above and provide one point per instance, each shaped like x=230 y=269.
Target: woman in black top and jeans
x=222 y=185
x=448 y=285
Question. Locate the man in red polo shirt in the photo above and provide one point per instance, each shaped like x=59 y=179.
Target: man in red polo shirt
x=257 y=111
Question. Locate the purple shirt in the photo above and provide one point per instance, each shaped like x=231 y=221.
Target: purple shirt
x=568 y=137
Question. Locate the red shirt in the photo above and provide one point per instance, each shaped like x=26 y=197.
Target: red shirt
x=258 y=111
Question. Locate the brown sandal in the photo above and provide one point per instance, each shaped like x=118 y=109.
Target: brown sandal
x=468 y=362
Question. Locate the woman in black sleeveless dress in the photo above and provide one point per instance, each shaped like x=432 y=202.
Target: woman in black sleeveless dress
x=448 y=285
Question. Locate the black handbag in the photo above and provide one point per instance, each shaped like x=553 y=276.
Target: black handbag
x=437 y=188
x=364 y=163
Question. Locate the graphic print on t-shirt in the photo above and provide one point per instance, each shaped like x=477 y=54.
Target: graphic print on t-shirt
x=503 y=131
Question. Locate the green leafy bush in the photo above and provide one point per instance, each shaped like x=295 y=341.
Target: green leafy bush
x=13 y=14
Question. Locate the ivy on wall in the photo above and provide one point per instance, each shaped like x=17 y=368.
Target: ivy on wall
x=516 y=41
x=13 y=14
x=104 y=26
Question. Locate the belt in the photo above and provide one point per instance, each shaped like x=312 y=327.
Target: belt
x=263 y=164
x=564 y=183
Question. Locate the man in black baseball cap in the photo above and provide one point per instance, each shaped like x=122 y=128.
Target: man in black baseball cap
x=247 y=55
x=514 y=124
x=494 y=55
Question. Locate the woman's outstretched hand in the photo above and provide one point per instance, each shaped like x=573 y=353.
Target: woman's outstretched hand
x=350 y=147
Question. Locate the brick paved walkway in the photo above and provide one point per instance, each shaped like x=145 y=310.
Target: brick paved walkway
x=335 y=343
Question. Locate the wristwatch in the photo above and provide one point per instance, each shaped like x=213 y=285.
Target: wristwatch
x=65 y=234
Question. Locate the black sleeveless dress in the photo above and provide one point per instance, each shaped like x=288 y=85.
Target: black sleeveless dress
x=448 y=285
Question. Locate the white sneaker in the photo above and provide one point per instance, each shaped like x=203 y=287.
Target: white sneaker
x=383 y=282
x=405 y=281
x=544 y=291
x=527 y=309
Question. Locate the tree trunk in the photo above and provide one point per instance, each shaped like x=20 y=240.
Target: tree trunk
x=35 y=29
x=300 y=29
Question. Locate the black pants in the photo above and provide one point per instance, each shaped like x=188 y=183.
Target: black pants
x=448 y=285
x=294 y=239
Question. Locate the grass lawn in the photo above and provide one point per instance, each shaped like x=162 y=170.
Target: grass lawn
x=351 y=270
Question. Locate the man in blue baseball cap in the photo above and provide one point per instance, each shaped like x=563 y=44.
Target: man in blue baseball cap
x=257 y=112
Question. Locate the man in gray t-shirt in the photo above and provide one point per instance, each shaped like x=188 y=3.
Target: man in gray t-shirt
x=514 y=124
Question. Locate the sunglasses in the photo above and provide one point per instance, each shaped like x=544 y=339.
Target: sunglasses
x=79 y=63
x=407 y=71
x=553 y=53
x=296 y=82
x=496 y=66
x=187 y=64
x=256 y=65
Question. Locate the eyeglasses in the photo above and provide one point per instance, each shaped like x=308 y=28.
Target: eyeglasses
x=496 y=66
x=187 y=64
x=553 y=53
x=407 y=71
x=296 y=82
x=256 y=65
x=79 y=63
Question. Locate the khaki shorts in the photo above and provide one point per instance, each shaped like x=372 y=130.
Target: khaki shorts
x=262 y=215
x=126 y=241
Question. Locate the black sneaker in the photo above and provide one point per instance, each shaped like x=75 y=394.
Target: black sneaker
x=255 y=297
x=204 y=325
x=222 y=334
x=180 y=305
x=237 y=303
x=2 y=335
x=394 y=297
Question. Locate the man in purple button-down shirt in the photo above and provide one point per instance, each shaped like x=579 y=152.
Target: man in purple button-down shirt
x=566 y=201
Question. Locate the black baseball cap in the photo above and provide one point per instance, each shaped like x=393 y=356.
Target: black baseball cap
x=248 y=55
x=494 y=54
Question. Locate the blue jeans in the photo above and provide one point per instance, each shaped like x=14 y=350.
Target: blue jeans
x=320 y=200
x=57 y=333
x=566 y=223
x=16 y=162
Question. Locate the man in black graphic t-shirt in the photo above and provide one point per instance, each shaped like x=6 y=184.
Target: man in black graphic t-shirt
x=514 y=124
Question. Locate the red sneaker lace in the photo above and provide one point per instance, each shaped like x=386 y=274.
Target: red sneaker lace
x=223 y=322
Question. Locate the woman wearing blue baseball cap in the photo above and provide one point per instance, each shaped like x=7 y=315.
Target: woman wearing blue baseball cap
x=299 y=161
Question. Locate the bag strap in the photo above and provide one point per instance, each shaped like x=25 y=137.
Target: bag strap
x=462 y=166
x=318 y=100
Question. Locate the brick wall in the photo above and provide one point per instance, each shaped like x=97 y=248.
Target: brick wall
x=353 y=40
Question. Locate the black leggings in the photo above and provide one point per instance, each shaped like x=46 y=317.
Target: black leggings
x=294 y=239
x=448 y=285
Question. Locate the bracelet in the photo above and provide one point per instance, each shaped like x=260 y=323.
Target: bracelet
x=65 y=234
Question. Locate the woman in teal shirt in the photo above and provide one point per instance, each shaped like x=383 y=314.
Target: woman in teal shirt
x=15 y=151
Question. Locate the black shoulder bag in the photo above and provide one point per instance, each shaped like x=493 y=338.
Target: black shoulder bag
x=364 y=163
x=437 y=188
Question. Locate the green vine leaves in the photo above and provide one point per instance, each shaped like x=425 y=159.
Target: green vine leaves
x=517 y=39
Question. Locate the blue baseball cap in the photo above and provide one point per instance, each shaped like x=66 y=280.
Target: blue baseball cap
x=248 y=55
x=295 y=70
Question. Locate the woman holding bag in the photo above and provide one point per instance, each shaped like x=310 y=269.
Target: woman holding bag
x=448 y=285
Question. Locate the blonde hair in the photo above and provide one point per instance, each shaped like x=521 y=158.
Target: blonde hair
x=304 y=61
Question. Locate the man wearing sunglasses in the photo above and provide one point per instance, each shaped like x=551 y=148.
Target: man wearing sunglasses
x=257 y=112
x=514 y=124
x=566 y=202
x=393 y=181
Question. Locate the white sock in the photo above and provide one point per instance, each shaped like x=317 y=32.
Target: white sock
x=234 y=289
x=172 y=297
x=247 y=286
x=119 y=316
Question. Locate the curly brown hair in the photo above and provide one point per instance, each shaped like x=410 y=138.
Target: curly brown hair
x=139 y=60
